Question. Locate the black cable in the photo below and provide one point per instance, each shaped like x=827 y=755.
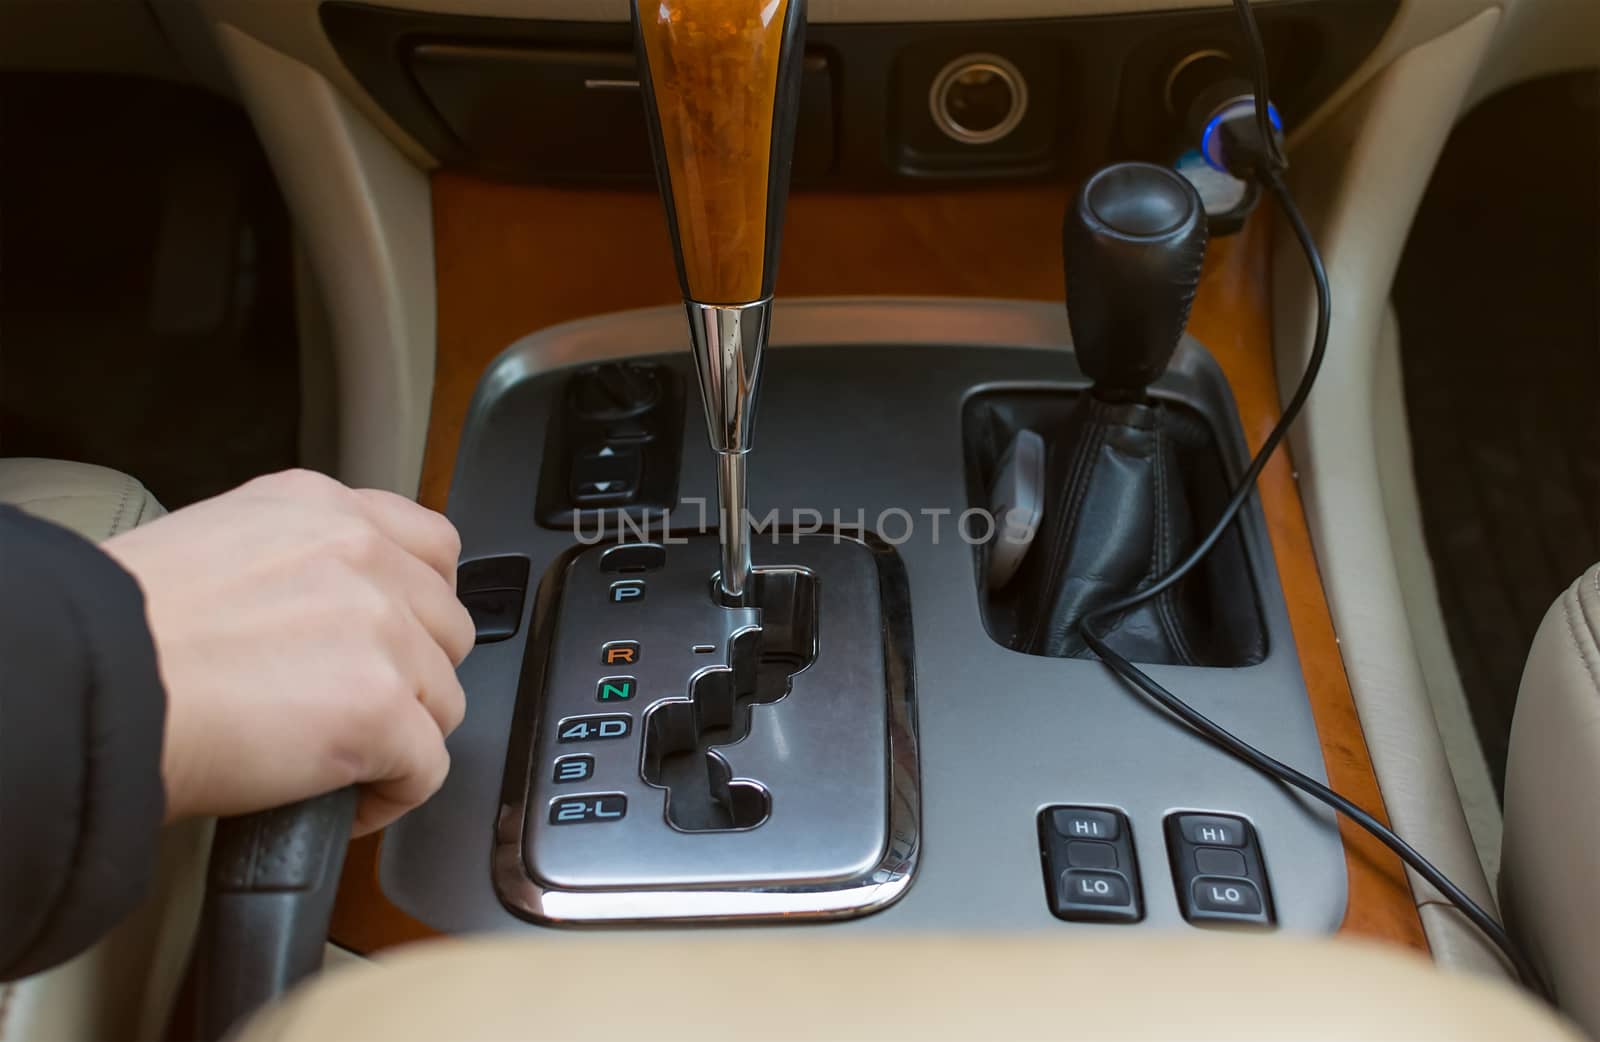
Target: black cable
x=1263 y=89
x=1268 y=169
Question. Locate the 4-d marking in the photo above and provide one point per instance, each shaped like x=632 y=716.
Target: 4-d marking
x=593 y=728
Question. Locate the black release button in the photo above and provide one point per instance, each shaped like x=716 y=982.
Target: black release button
x=491 y=589
x=492 y=573
x=634 y=557
x=1085 y=823
x=1213 y=830
x=609 y=474
x=1219 y=894
x=496 y=614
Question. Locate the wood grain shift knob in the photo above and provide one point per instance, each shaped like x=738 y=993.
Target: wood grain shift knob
x=721 y=81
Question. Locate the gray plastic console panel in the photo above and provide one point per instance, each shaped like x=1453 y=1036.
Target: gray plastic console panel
x=861 y=414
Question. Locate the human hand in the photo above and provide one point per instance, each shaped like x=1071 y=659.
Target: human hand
x=307 y=636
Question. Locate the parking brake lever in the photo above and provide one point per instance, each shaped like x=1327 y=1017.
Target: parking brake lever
x=721 y=82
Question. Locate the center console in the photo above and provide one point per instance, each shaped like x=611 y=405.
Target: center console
x=917 y=766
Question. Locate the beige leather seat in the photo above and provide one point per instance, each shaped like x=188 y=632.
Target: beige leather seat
x=1551 y=857
x=123 y=987
x=855 y=984
x=95 y=502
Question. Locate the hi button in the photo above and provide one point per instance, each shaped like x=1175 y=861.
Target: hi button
x=1085 y=823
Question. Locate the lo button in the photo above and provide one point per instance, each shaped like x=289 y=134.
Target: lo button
x=1098 y=889
x=1220 y=894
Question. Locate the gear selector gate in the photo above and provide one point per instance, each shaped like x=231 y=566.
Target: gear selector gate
x=681 y=736
x=775 y=774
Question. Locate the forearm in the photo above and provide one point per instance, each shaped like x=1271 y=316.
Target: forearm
x=81 y=718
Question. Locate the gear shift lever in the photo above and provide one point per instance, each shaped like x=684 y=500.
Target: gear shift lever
x=1131 y=478
x=1132 y=246
x=721 y=81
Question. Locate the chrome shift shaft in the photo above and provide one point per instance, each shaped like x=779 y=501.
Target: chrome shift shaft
x=721 y=81
x=728 y=341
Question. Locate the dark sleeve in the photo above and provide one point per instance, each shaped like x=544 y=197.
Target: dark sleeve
x=81 y=717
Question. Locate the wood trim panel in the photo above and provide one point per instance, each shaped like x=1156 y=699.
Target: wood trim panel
x=513 y=259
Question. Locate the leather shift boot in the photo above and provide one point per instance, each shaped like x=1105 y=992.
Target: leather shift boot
x=1120 y=515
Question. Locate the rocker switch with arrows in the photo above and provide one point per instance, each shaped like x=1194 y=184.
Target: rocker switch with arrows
x=606 y=476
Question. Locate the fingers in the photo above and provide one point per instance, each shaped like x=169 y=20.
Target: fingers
x=433 y=602
x=421 y=532
x=417 y=765
x=438 y=688
x=397 y=573
x=424 y=534
x=417 y=760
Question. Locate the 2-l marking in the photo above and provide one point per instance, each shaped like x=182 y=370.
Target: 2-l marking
x=582 y=810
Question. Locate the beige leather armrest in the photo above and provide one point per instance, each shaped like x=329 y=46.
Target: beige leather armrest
x=829 y=984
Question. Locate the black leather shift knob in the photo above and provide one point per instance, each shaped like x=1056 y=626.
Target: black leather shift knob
x=1133 y=244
